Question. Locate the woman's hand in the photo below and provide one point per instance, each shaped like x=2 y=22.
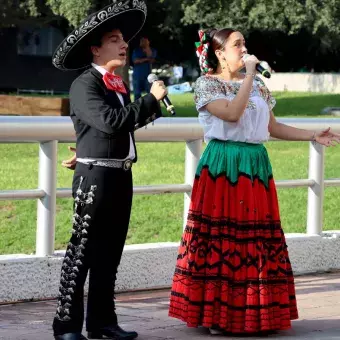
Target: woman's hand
x=250 y=62
x=327 y=137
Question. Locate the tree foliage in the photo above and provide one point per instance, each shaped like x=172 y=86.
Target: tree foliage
x=318 y=17
x=19 y=12
x=163 y=15
x=74 y=11
x=296 y=29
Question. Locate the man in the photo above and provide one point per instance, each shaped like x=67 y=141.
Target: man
x=142 y=58
x=104 y=120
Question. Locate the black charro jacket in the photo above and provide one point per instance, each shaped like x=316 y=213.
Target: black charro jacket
x=101 y=123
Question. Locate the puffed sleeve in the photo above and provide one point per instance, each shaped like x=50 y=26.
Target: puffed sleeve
x=265 y=93
x=207 y=89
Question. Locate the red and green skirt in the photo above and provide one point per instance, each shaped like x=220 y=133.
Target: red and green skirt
x=233 y=270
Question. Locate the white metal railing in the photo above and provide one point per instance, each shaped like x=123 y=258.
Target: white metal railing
x=48 y=131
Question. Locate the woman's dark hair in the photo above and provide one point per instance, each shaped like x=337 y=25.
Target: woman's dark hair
x=217 y=39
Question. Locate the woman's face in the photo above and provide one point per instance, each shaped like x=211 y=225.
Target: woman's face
x=233 y=52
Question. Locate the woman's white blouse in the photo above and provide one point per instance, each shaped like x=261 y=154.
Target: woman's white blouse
x=252 y=127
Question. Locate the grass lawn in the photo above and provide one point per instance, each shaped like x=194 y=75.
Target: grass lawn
x=159 y=218
x=288 y=104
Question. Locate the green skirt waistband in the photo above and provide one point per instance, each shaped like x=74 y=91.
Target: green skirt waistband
x=241 y=144
x=234 y=158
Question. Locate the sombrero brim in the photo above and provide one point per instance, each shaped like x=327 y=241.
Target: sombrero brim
x=74 y=52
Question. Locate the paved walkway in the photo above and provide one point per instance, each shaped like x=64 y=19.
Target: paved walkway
x=318 y=300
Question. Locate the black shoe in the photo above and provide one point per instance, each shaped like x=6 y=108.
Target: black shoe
x=112 y=332
x=70 y=336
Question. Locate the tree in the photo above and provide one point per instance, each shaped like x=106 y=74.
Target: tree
x=16 y=13
x=159 y=21
x=313 y=26
x=74 y=11
x=318 y=17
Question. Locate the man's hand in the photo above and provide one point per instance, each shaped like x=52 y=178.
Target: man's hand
x=71 y=162
x=141 y=60
x=148 y=51
x=158 y=89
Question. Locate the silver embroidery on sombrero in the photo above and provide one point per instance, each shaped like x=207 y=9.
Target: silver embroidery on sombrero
x=89 y=25
x=75 y=252
x=139 y=4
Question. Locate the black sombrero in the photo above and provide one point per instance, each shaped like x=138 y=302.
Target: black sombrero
x=74 y=52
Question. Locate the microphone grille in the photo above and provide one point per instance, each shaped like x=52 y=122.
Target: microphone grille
x=264 y=64
x=245 y=57
x=152 y=77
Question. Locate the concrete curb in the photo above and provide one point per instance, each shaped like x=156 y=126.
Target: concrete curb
x=148 y=266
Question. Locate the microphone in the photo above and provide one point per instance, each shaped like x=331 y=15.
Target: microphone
x=166 y=101
x=262 y=67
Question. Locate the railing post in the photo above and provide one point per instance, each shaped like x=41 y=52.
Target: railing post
x=192 y=157
x=47 y=204
x=316 y=192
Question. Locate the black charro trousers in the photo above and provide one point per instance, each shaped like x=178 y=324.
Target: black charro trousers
x=102 y=207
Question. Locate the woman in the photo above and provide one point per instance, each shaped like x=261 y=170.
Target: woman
x=233 y=272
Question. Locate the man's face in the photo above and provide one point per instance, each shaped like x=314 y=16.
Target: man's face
x=112 y=50
x=144 y=42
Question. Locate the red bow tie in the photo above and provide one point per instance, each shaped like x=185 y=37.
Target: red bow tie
x=114 y=83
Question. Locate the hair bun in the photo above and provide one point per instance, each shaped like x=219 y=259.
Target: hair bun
x=209 y=33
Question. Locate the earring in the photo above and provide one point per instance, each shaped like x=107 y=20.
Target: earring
x=223 y=65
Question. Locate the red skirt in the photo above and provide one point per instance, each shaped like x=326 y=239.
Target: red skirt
x=233 y=269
